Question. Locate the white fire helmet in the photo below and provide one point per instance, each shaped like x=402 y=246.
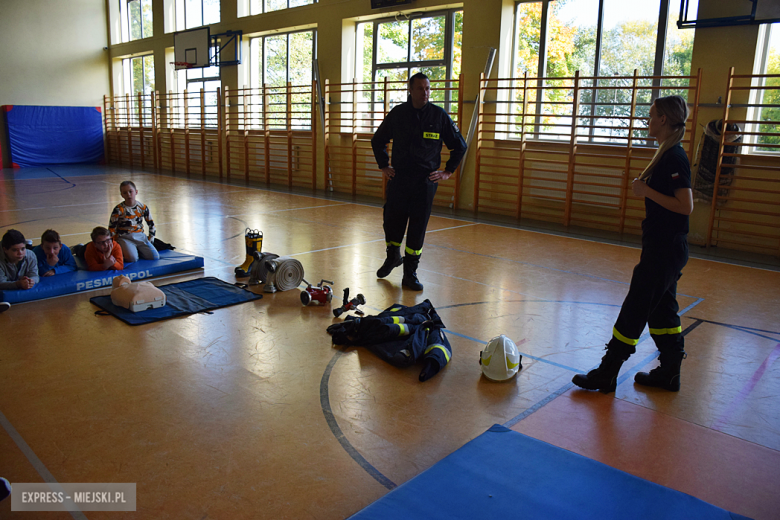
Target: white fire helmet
x=500 y=360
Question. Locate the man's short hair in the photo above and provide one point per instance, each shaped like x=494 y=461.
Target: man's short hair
x=51 y=237
x=99 y=231
x=11 y=238
x=127 y=183
x=419 y=75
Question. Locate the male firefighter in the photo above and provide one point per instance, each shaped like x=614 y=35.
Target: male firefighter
x=417 y=129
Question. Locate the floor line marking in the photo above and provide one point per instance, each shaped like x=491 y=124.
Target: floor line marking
x=36 y=463
x=524 y=354
x=339 y=434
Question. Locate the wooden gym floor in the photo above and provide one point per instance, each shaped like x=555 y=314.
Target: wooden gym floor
x=250 y=412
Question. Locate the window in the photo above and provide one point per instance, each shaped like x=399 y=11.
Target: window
x=398 y=48
x=767 y=99
x=267 y=6
x=603 y=38
x=192 y=80
x=196 y=13
x=138 y=74
x=136 y=17
x=277 y=60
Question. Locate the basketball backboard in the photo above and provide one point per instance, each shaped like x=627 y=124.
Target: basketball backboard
x=192 y=48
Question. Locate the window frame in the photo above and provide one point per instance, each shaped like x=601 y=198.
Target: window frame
x=126 y=32
x=447 y=61
x=760 y=66
x=261 y=65
x=181 y=12
x=658 y=62
x=263 y=11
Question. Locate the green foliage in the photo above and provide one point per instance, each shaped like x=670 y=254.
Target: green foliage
x=771 y=97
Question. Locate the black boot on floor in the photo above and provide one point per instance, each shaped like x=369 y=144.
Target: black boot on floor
x=666 y=375
x=393 y=260
x=410 y=280
x=604 y=378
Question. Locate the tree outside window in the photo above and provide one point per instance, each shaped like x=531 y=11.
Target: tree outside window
x=139 y=78
x=556 y=38
x=770 y=115
x=396 y=49
x=276 y=61
x=136 y=17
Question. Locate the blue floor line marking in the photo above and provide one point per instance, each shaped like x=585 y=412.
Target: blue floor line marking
x=339 y=434
x=553 y=363
x=36 y=463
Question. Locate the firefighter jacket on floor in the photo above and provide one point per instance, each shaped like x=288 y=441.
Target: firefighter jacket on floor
x=400 y=335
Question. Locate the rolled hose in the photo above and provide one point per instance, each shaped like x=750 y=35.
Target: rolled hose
x=287 y=272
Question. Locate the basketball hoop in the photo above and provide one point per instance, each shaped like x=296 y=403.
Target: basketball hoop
x=178 y=65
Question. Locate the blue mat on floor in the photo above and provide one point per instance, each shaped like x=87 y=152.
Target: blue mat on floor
x=505 y=474
x=183 y=298
x=79 y=281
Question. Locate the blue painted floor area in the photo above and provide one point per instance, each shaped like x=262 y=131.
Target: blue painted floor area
x=505 y=474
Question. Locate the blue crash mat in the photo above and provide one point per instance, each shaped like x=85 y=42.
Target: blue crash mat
x=183 y=298
x=80 y=281
x=505 y=474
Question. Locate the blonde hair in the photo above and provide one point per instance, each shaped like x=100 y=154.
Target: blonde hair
x=676 y=111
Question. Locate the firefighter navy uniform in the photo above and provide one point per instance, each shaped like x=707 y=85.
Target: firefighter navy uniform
x=417 y=136
x=399 y=335
x=652 y=297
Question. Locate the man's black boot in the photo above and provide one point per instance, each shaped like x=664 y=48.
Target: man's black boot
x=667 y=374
x=604 y=377
x=410 y=280
x=393 y=260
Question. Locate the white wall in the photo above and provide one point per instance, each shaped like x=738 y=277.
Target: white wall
x=51 y=52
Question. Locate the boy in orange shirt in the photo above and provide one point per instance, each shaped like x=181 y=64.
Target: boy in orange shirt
x=103 y=254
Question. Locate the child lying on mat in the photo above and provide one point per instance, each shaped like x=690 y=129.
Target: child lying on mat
x=103 y=253
x=18 y=265
x=54 y=257
x=127 y=226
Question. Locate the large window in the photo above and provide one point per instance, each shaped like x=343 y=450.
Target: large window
x=267 y=6
x=136 y=17
x=767 y=99
x=138 y=75
x=400 y=47
x=608 y=39
x=275 y=61
x=196 y=13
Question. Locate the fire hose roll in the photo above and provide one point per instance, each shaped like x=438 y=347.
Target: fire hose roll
x=288 y=272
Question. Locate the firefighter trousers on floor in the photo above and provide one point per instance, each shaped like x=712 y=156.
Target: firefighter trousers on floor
x=408 y=202
x=652 y=297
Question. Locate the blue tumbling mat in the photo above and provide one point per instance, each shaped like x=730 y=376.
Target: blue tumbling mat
x=183 y=298
x=79 y=281
x=505 y=474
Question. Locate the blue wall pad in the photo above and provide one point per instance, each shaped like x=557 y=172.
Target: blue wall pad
x=505 y=474
x=183 y=298
x=80 y=281
x=40 y=135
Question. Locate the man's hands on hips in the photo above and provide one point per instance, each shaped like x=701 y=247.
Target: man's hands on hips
x=439 y=175
x=388 y=172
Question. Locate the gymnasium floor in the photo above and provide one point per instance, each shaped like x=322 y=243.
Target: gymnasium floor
x=250 y=412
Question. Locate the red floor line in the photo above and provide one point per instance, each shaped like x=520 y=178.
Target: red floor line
x=747 y=389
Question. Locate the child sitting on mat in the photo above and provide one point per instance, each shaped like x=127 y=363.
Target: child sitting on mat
x=103 y=253
x=18 y=265
x=127 y=226
x=53 y=256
